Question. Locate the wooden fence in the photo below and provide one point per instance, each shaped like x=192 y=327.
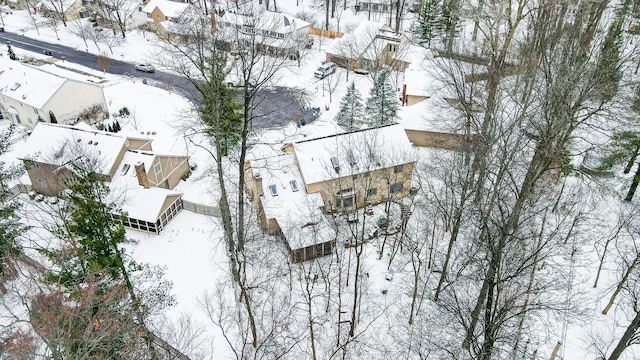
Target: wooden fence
x=325 y=33
x=200 y=208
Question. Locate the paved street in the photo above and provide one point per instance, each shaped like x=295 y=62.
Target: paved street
x=275 y=107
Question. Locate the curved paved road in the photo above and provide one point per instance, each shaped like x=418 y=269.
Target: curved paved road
x=277 y=106
x=91 y=61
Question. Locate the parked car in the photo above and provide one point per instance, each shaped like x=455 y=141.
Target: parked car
x=325 y=70
x=361 y=71
x=145 y=67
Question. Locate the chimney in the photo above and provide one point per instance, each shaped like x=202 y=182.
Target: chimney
x=141 y=174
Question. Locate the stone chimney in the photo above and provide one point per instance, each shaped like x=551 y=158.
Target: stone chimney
x=141 y=174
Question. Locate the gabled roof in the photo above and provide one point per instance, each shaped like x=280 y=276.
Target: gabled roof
x=58 y=144
x=28 y=85
x=66 y=4
x=267 y=20
x=288 y=203
x=138 y=202
x=354 y=153
x=170 y=9
x=366 y=41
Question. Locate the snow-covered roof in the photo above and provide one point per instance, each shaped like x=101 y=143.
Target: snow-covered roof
x=27 y=84
x=414 y=54
x=355 y=153
x=170 y=9
x=66 y=4
x=267 y=20
x=146 y=204
x=139 y=202
x=59 y=144
x=366 y=40
x=286 y=200
x=420 y=82
x=428 y=78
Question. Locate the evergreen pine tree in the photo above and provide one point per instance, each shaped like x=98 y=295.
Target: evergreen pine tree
x=429 y=21
x=110 y=128
x=351 y=110
x=92 y=264
x=117 y=126
x=12 y=55
x=625 y=149
x=608 y=66
x=10 y=227
x=52 y=117
x=382 y=104
x=218 y=109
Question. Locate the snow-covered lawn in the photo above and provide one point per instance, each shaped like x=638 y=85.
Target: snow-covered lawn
x=190 y=247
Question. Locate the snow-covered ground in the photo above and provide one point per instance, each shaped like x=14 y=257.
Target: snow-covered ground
x=190 y=248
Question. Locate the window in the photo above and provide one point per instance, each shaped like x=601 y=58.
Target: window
x=354 y=176
x=397 y=168
x=347 y=202
x=394 y=188
x=17 y=117
x=371 y=192
x=158 y=168
x=274 y=190
x=367 y=174
x=35 y=110
x=294 y=185
x=42 y=183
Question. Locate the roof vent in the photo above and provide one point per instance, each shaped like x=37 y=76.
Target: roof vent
x=95 y=143
x=15 y=86
x=79 y=140
x=90 y=142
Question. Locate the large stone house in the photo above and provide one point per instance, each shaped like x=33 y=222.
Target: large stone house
x=140 y=179
x=295 y=189
x=29 y=95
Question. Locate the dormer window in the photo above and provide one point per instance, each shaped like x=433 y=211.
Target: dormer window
x=294 y=185
x=274 y=190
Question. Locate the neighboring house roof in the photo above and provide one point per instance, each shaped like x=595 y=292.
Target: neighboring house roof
x=355 y=152
x=366 y=41
x=291 y=205
x=427 y=78
x=267 y=20
x=413 y=54
x=54 y=5
x=171 y=9
x=28 y=85
x=58 y=144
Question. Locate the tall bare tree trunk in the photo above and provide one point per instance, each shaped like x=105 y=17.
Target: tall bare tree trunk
x=627 y=337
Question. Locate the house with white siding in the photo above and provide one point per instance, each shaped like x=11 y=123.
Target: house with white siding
x=29 y=95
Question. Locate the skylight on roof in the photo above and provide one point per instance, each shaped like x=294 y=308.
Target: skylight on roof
x=294 y=185
x=15 y=86
x=274 y=190
x=335 y=164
